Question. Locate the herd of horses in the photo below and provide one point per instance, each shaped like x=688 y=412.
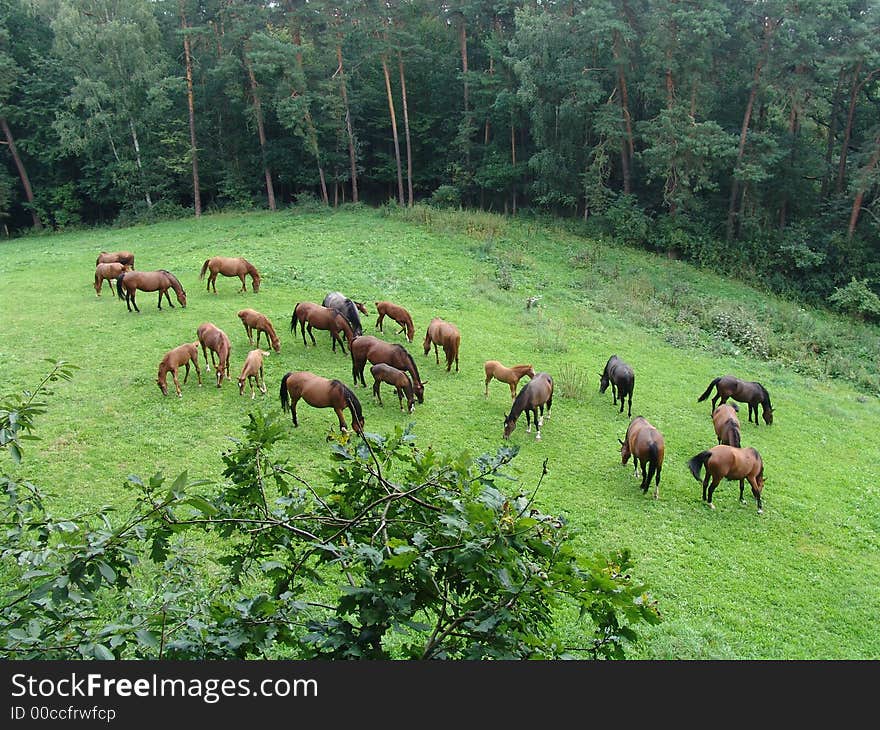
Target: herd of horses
x=392 y=364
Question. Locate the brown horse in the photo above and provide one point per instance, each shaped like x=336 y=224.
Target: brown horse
x=745 y=391
x=255 y=321
x=399 y=315
x=252 y=372
x=446 y=335
x=622 y=379
x=646 y=446
x=726 y=424
x=348 y=308
x=128 y=283
x=730 y=462
x=214 y=339
x=533 y=398
x=121 y=257
x=383 y=373
x=311 y=315
x=182 y=355
x=229 y=266
x=109 y=272
x=321 y=393
x=367 y=347
x=511 y=376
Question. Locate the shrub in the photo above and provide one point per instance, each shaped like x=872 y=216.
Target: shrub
x=857 y=299
x=446 y=196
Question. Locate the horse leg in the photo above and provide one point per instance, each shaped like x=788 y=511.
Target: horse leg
x=176 y=383
x=213 y=282
x=379 y=321
x=436 y=354
x=293 y=412
x=613 y=394
x=341 y=415
x=400 y=397
x=312 y=336
x=756 y=490
x=168 y=297
x=261 y=383
x=706 y=483
x=741 y=485
x=243 y=287
x=629 y=405
x=186 y=374
x=528 y=413
x=486 y=391
x=195 y=361
x=538 y=423
x=715 y=483
x=376 y=386
x=134 y=301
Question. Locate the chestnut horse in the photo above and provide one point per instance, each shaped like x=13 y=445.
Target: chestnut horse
x=622 y=379
x=309 y=315
x=367 y=347
x=256 y=321
x=128 y=283
x=229 y=266
x=321 y=393
x=181 y=355
x=745 y=391
x=383 y=373
x=532 y=399
x=121 y=257
x=730 y=462
x=447 y=336
x=726 y=424
x=646 y=446
x=214 y=339
x=252 y=372
x=399 y=315
x=511 y=376
x=109 y=272
x=348 y=308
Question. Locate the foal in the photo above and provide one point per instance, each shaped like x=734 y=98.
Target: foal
x=646 y=445
x=511 y=376
x=447 y=336
x=255 y=321
x=109 y=271
x=214 y=339
x=181 y=355
x=726 y=424
x=399 y=315
x=252 y=372
x=383 y=373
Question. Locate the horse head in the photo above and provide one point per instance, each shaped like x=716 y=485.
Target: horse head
x=625 y=452
x=603 y=382
x=768 y=415
x=509 y=425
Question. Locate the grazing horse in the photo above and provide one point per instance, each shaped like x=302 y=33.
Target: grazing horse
x=383 y=373
x=348 y=308
x=252 y=372
x=230 y=267
x=646 y=446
x=399 y=315
x=622 y=380
x=321 y=393
x=447 y=336
x=309 y=315
x=128 y=283
x=109 y=271
x=511 y=376
x=121 y=257
x=182 y=355
x=214 y=339
x=532 y=399
x=726 y=424
x=367 y=347
x=730 y=462
x=255 y=321
x=755 y=394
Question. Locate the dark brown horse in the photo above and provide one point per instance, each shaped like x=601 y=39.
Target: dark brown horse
x=214 y=339
x=122 y=257
x=533 y=398
x=730 y=462
x=446 y=335
x=726 y=424
x=182 y=355
x=310 y=315
x=110 y=272
x=622 y=379
x=252 y=372
x=348 y=308
x=647 y=447
x=399 y=315
x=383 y=373
x=230 y=266
x=321 y=393
x=745 y=391
x=255 y=321
x=128 y=283
x=368 y=348
x=511 y=376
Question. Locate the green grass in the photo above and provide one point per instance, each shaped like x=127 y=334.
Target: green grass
x=801 y=581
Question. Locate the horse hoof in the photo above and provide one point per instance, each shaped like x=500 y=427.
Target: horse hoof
x=538 y=437
x=711 y=506
x=760 y=511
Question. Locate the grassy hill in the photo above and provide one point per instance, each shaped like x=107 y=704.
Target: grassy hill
x=800 y=581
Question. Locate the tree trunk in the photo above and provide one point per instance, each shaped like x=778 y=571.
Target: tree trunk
x=193 y=147
x=261 y=130
x=847 y=133
x=137 y=156
x=857 y=203
x=513 y=162
x=393 y=114
x=351 y=147
x=409 y=182
x=22 y=173
x=627 y=152
x=793 y=126
x=832 y=136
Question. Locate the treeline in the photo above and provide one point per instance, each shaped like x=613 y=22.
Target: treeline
x=739 y=134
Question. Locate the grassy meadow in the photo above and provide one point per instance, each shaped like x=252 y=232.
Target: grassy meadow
x=800 y=581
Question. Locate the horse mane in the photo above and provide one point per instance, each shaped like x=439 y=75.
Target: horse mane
x=412 y=362
x=352 y=400
x=174 y=282
x=766 y=396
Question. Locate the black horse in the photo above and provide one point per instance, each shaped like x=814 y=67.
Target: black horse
x=348 y=308
x=622 y=380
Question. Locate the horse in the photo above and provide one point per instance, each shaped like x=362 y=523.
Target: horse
x=255 y=321
x=399 y=315
x=730 y=462
x=622 y=380
x=229 y=266
x=402 y=383
x=181 y=355
x=511 y=376
x=533 y=398
x=121 y=257
x=214 y=339
x=128 y=283
x=252 y=372
x=109 y=271
x=348 y=308
x=646 y=446
x=447 y=336
x=755 y=394
x=726 y=424
x=367 y=347
x=309 y=315
x=321 y=393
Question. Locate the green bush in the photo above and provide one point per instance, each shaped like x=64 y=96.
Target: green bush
x=446 y=196
x=857 y=299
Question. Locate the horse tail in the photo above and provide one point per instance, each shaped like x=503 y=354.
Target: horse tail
x=653 y=458
x=410 y=328
x=352 y=401
x=708 y=390
x=293 y=319
x=735 y=436
x=119 y=289
x=285 y=396
x=697 y=463
x=98 y=260
x=204 y=269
